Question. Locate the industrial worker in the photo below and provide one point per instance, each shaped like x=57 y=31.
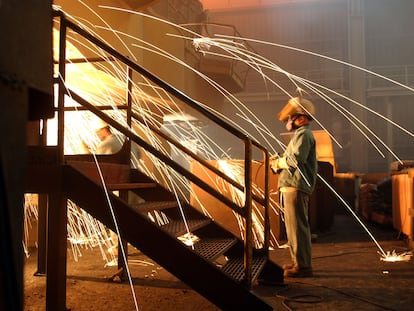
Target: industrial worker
x=109 y=143
x=297 y=171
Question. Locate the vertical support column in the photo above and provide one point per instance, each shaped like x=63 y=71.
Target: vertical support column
x=61 y=94
x=42 y=216
x=42 y=234
x=357 y=81
x=56 y=250
x=57 y=207
x=122 y=244
x=248 y=234
x=129 y=110
x=129 y=95
x=266 y=224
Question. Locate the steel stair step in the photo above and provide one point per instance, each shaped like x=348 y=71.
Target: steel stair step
x=112 y=173
x=212 y=248
x=234 y=267
x=178 y=227
x=150 y=206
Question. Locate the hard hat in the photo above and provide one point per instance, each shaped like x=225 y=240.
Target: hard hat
x=296 y=106
x=98 y=123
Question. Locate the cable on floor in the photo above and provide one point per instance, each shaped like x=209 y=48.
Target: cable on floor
x=305 y=298
x=319 y=299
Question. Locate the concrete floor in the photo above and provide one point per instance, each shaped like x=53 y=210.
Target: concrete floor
x=349 y=275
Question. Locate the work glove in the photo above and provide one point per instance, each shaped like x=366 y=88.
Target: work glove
x=277 y=164
x=274 y=165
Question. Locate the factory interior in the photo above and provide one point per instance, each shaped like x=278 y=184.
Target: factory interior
x=186 y=214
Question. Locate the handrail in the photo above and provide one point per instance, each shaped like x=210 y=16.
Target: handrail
x=98 y=112
x=245 y=211
x=138 y=140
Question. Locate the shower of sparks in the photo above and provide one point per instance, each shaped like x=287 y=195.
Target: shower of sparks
x=394 y=257
x=30 y=216
x=189 y=239
x=93 y=83
x=232 y=51
x=84 y=231
x=240 y=54
x=105 y=84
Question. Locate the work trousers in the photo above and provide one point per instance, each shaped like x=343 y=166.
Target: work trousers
x=296 y=205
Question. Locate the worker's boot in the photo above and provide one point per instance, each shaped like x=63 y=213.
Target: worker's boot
x=297 y=272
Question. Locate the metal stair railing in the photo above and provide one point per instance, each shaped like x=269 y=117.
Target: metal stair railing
x=245 y=211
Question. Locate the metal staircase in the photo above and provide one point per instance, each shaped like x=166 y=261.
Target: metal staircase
x=222 y=282
x=219 y=265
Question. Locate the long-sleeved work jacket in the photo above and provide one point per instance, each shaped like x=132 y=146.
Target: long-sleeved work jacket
x=299 y=169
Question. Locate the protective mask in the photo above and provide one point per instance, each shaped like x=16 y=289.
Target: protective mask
x=289 y=125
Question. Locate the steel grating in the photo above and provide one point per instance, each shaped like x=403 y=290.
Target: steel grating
x=179 y=227
x=235 y=267
x=210 y=249
x=149 y=206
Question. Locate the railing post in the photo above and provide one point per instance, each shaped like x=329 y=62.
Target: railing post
x=129 y=106
x=61 y=93
x=42 y=218
x=248 y=234
x=123 y=249
x=266 y=225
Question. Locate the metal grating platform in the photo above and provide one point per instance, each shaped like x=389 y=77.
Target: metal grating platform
x=210 y=249
x=154 y=206
x=178 y=227
x=235 y=267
